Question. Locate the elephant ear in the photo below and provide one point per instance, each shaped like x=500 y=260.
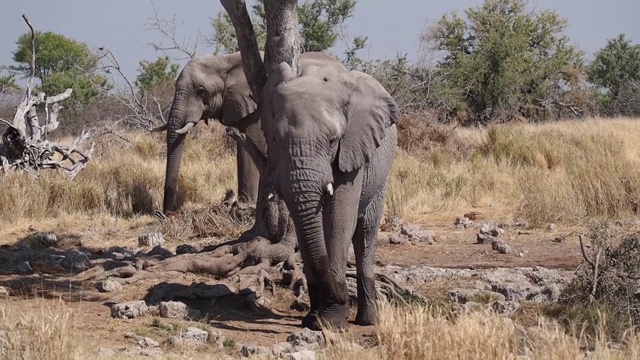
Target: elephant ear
x=369 y=111
x=236 y=102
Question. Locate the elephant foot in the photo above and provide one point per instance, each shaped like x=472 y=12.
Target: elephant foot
x=333 y=317
x=314 y=297
x=366 y=318
x=309 y=320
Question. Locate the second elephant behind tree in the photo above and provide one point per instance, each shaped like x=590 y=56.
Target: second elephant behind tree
x=215 y=87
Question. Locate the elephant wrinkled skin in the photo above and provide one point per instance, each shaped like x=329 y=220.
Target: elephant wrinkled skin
x=215 y=87
x=332 y=139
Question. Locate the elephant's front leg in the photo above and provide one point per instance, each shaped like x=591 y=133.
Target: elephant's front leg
x=340 y=216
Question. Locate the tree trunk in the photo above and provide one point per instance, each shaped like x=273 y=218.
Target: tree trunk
x=248 y=44
x=273 y=220
x=283 y=39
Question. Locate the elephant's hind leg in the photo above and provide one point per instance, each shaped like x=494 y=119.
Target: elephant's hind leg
x=364 y=242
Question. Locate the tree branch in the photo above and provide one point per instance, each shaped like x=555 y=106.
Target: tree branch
x=168 y=29
x=33 y=55
x=251 y=61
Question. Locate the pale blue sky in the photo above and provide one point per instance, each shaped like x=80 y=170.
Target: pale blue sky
x=392 y=26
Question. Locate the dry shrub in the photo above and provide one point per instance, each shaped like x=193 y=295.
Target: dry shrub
x=47 y=334
x=418 y=134
x=605 y=293
x=219 y=221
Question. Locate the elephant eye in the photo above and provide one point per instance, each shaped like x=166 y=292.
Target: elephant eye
x=333 y=141
x=201 y=92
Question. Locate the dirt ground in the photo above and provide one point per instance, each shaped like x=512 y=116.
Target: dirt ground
x=244 y=324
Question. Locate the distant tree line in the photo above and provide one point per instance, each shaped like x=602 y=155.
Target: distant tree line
x=497 y=62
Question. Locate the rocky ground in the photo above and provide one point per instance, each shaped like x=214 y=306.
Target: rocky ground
x=466 y=260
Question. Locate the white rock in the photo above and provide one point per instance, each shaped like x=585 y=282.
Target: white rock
x=174 y=309
x=130 y=309
x=148 y=342
x=152 y=239
x=109 y=285
x=303 y=355
x=196 y=335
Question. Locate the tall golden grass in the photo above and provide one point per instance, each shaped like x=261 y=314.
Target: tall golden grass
x=54 y=332
x=46 y=334
x=124 y=179
x=424 y=333
x=558 y=172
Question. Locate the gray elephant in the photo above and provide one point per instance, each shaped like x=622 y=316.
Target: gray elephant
x=332 y=139
x=215 y=87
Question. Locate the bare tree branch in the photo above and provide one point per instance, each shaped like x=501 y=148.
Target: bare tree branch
x=251 y=60
x=169 y=30
x=33 y=55
x=141 y=104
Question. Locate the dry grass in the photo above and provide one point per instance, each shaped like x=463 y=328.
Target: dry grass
x=125 y=180
x=422 y=333
x=562 y=172
x=46 y=334
x=415 y=333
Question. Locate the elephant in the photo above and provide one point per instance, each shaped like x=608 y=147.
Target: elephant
x=332 y=140
x=215 y=87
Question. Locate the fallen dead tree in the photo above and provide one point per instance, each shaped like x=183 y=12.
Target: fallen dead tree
x=24 y=143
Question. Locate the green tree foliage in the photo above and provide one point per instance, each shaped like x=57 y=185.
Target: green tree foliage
x=8 y=83
x=86 y=87
x=503 y=60
x=157 y=74
x=616 y=70
x=61 y=63
x=320 y=22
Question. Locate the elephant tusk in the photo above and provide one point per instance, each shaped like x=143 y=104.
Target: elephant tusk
x=185 y=129
x=329 y=189
x=159 y=128
x=270 y=196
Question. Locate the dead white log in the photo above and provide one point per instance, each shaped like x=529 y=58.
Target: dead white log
x=31 y=153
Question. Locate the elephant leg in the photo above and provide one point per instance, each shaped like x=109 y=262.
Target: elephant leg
x=314 y=295
x=364 y=241
x=248 y=176
x=340 y=217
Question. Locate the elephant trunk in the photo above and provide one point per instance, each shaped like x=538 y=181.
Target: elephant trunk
x=175 y=147
x=305 y=202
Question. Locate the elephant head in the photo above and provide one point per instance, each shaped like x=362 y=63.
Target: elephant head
x=323 y=128
x=208 y=87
